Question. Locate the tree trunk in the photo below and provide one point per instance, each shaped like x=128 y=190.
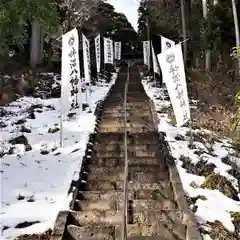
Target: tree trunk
x=184 y=30
x=69 y=21
x=50 y=52
x=207 y=51
x=41 y=45
x=195 y=17
x=235 y=16
x=35 y=45
x=190 y=54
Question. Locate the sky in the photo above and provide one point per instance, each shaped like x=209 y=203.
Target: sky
x=129 y=8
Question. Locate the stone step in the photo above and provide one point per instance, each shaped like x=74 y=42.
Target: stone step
x=170 y=218
x=120 y=128
x=83 y=205
x=134 y=123
x=117 y=204
x=141 y=194
x=110 y=154
x=120 y=153
x=133 y=117
x=92 y=232
x=156 y=231
x=130 y=105
x=118 y=138
x=110 y=113
x=137 y=103
x=114 y=161
x=119 y=176
x=155 y=194
x=143 y=177
x=147 y=168
x=117 y=107
x=103 y=147
x=149 y=238
x=92 y=217
x=134 y=97
x=99 y=185
x=163 y=204
x=144 y=138
x=111 y=129
x=108 y=177
x=159 y=186
x=103 y=195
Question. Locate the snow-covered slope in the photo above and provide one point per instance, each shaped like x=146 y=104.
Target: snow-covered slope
x=197 y=165
x=35 y=173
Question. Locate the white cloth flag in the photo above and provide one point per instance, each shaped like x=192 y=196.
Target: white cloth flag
x=146 y=52
x=117 y=50
x=70 y=81
x=166 y=44
x=108 y=51
x=173 y=73
x=98 y=52
x=156 y=67
x=86 y=59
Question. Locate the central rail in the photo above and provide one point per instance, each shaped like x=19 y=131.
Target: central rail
x=125 y=205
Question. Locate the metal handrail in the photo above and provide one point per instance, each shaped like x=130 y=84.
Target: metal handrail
x=125 y=203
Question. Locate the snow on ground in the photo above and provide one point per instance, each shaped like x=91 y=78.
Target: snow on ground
x=215 y=205
x=36 y=175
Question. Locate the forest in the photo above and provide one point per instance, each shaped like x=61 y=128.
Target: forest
x=27 y=25
x=30 y=81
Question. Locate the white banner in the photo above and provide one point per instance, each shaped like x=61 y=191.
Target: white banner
x=117 y=50
x=156 y=67
x=173 y=73
x=70 y=81
x=108 y=51
x=98 y=52
x=146 y=52
x=86 y=59
x=166 y=44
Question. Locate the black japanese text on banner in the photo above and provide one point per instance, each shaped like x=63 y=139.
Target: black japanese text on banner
x=117 y=50
x=166 y=44
x=70 y=82
x=86 y=59
x=98 y=52
x=156 y=67
x=146 y=52
x=108 y=51
x=173 y=73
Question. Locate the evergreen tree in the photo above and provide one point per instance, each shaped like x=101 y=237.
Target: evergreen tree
x=16 y=17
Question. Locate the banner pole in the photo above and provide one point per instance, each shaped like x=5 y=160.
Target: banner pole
x=191 y=133
x=86 y=93
x=61 y=125
x=154 y=79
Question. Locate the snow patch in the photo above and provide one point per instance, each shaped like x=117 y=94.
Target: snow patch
x=35 y=183
x=217 y=206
